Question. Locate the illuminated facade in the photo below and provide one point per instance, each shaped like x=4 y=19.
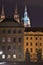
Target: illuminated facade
x=33 y=42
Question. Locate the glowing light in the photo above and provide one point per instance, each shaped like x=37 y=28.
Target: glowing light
x=1 y=52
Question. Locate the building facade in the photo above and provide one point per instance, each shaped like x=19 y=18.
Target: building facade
x=33 y=42
x=11 y=40
x=19 y=39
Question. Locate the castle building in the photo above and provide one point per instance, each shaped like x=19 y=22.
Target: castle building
x=11 y=40
x=19 y=39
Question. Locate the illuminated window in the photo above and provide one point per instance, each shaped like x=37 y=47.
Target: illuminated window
x=3 y=39
x=14 y=56
x=3 y=56
x=1 y=52
x=9 y=39
x=9 y=56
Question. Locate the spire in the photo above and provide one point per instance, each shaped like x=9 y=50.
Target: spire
x=16 y=15
x=26 y=18
x=2 y=13
x=25 y=13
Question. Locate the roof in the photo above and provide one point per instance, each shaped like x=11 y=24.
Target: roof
x=34 y=29
x=10 y=22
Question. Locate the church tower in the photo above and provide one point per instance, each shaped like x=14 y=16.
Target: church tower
x=16 y=15
x=2 y=13
x=26 y=18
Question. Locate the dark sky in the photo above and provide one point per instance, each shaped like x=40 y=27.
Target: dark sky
x=35 y=9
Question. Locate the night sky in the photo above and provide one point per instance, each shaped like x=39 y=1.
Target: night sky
x=35 y=10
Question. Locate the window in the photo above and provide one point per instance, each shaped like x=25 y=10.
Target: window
x=3 y=39
x=9 y=48
x=1 y=52
x=26 y=49
x=31 y=49
x=40 y=38
x=9 y=39
x=3 y=31
x=30 y=38
x=27 y=44
x=19 y=31
x=40 y=50
x=31 y=44
x=36 y=44
x=36 y=38
x=19 y=39
x=14 y=31
x=26 y=38
x=3 y=56
x=14 y=39
x=9 y=56
x=9 y=31
x=14 y=56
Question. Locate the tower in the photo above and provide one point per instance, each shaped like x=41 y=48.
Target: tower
x=16 y=15
x=2 y=13
x=26 y=18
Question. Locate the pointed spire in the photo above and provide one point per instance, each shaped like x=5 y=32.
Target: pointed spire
x=2 y=13
x=25 y=13
x=25 y=8
x=16 y=15
x=26 y=18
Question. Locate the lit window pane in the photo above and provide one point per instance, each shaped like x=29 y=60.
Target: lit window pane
x=9 y=56
x=14 y=56
x=1 y=52
x=3 y=56
x=9 y=39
